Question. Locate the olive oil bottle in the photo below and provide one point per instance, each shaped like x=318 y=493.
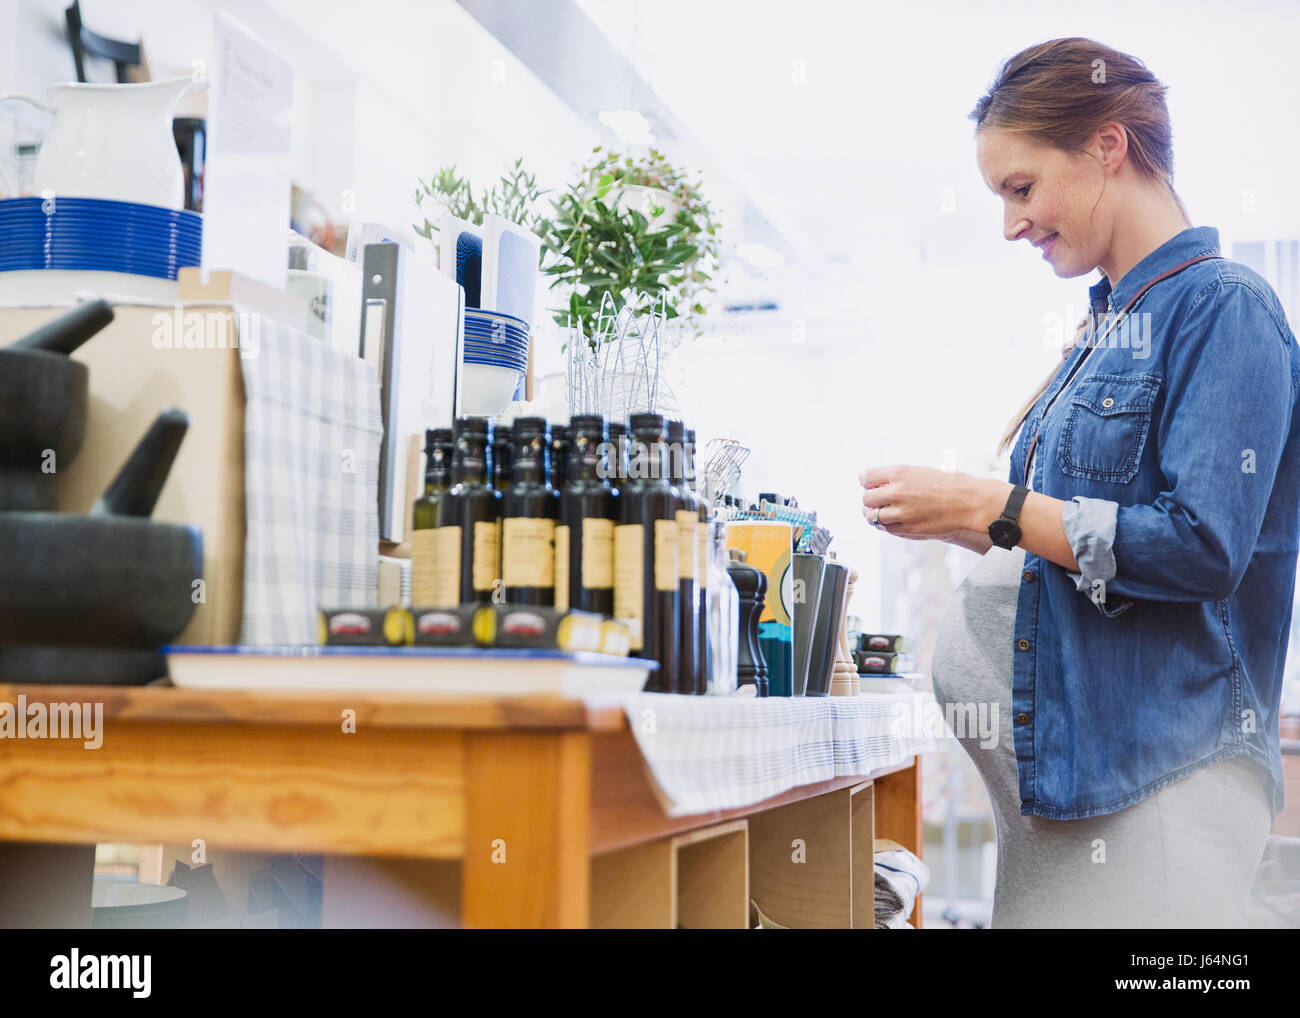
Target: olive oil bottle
x=584 y=540
x=424 y=516
x=688 y=518
x=559 y=456
x=500 y=472
x=467 y=555
x=616 y=456
x=646 y=582
x=528 y=513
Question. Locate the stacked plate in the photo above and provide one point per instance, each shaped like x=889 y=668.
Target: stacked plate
x=495 y=338
x=93 y=234
x=496 y=359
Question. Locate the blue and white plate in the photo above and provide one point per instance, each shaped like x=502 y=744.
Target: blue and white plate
x=92 y=234
x=501 y=315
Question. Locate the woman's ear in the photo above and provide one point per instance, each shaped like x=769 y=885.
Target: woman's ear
x=1110 y=145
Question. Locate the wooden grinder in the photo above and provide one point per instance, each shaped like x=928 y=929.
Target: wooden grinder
x=844 y=679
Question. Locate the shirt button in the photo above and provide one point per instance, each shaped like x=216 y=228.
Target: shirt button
x=1022 y=719
x=1108 y=402
x=1022 y=644
x=1028 y=574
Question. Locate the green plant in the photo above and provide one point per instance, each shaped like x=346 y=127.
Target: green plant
x=513 y=196
x=596 y=246
x=591 y=243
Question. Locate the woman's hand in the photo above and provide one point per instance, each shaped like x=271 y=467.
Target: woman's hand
x=921 y=503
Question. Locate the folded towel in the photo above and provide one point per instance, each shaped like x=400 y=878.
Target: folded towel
x=888 y=901
x=905 y=874
x=312 y=427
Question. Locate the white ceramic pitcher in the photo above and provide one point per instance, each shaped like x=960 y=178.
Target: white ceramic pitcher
x=112 y=141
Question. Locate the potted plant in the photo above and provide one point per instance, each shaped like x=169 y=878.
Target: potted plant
x=625 y=224
x=513 y=196
x=631 y=223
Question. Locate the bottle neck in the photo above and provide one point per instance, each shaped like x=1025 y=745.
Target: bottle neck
x=688 y=467
x=471 y=461
x=438 y=475
x=648 y=461
x=584 y=460
x=530 y=460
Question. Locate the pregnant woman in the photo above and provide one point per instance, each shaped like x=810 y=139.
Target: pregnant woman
x=1127 y=624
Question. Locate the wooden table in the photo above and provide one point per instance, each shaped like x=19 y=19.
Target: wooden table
x=546 y=780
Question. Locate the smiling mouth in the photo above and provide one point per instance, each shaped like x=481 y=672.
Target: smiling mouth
x=1046 y=240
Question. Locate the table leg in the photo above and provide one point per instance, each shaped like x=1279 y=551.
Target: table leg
x=526 y=860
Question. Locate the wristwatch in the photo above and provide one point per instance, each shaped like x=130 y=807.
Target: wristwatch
x=1005 y=531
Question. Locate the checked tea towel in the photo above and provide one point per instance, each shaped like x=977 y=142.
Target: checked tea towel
x=312 y=429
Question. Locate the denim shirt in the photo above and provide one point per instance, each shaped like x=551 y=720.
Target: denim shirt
x=1176 y=448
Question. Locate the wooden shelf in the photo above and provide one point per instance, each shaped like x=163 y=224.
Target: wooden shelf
x=698 y=880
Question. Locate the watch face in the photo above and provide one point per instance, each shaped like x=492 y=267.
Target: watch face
x=1004 y=533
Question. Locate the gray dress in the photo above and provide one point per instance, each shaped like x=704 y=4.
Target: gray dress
x=1184 y=856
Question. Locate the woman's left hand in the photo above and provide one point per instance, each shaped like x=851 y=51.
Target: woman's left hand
x=924 y=503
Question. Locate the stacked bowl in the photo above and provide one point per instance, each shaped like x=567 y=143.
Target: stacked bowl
x=496 y=358
x=97 y=235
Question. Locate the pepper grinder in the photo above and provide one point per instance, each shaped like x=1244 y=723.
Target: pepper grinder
x=751 y=587
x=844 y=680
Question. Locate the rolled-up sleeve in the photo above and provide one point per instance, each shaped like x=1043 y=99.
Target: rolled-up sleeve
x=1090 y=529
x=1230 y=394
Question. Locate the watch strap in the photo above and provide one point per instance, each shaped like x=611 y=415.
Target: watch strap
x=1014 y=501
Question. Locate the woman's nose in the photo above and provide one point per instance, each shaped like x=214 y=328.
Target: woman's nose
x=1013 y=227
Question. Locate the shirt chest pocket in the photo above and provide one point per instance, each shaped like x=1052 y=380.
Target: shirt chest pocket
x=1106 y=426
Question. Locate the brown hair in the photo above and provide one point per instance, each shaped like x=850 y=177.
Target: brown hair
x=1059 y=93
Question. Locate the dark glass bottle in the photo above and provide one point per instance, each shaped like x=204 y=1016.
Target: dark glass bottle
x=687 y=516
x=528 y=513
x=616 y=459
x=703 y=666
x=501 y=459
x=584 y=540
x=646 y=592
x=559 y=456
x=468 y=558
x=424 y=516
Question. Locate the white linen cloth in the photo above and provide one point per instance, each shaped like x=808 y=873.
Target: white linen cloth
x=706 y=753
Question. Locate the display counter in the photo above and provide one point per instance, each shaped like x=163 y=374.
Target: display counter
x=519 y=812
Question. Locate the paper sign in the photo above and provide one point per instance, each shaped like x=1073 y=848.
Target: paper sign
x=246 y=174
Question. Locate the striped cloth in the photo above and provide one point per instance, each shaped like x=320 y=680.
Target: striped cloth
x=906 y=877
x=706 y=753
x=312 y=429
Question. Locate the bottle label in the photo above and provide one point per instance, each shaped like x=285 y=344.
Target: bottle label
x=447 y=563
x=686 y=550
x=702 y=532
x=528 y=552
x=424 y=567
x=562 y=569
x=597 y=553
x=486 y=555
x=666 y=555
x=629 y=576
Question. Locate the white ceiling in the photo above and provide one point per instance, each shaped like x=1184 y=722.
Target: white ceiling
x=858 y=153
